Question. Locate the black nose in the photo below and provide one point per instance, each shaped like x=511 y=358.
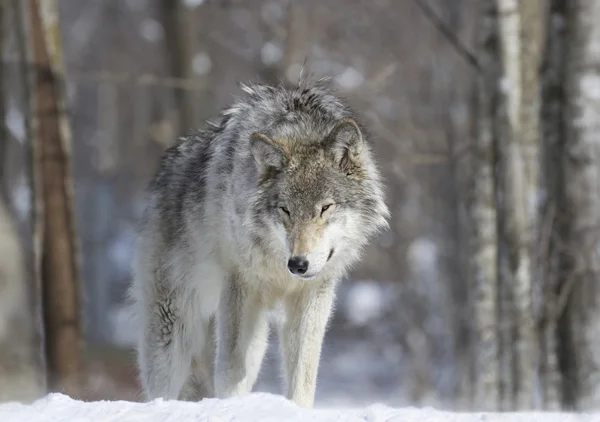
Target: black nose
x=298 y=265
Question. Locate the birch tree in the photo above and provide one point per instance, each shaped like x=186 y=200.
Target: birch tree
x=520 y=41
x=582 y=189
x=504 y=214
x=484 y=240
x=570 y=329
x=553 y=221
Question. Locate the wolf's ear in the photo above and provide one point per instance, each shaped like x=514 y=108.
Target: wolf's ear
x=347 y=143
x=266 y=152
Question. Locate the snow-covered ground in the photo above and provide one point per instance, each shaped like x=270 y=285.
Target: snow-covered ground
x=263 y=407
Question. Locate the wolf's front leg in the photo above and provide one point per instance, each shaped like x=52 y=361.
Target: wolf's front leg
x=242 y=331
x=164 y=355
x=301 y=338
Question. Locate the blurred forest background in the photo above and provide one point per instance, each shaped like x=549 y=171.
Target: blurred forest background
x=483 y=294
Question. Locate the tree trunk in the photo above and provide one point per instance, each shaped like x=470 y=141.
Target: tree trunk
x=20 y=369
x=484 y=242
x=22 y=27
x=554 y=259
x=582 y=188
x=59 y=267
x=181 y=43
x=3 y=130
x=520 y=30
x=297 y=41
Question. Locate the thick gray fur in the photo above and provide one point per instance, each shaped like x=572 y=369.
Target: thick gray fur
x=285 y=173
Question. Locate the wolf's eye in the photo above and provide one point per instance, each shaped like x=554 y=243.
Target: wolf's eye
x=325 y=208
x=285 y=210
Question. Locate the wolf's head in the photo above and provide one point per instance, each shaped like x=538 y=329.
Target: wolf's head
x=320 y=199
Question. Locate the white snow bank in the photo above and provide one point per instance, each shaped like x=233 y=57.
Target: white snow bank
x=263 y=407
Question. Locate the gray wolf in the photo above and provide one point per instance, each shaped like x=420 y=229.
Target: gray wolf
x=264 y=210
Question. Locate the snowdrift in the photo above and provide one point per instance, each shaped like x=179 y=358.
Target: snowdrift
x=263 y=407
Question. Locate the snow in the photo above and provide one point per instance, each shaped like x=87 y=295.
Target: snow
x=15 y=122
x=271 y=53
x=364 y=302
x=193 y=3
x=422 y=255
x=263 y=407
x=21 y=197
x=152 y=31
x=202 y=63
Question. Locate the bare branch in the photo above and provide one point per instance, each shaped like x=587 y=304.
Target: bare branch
x=445 y=30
